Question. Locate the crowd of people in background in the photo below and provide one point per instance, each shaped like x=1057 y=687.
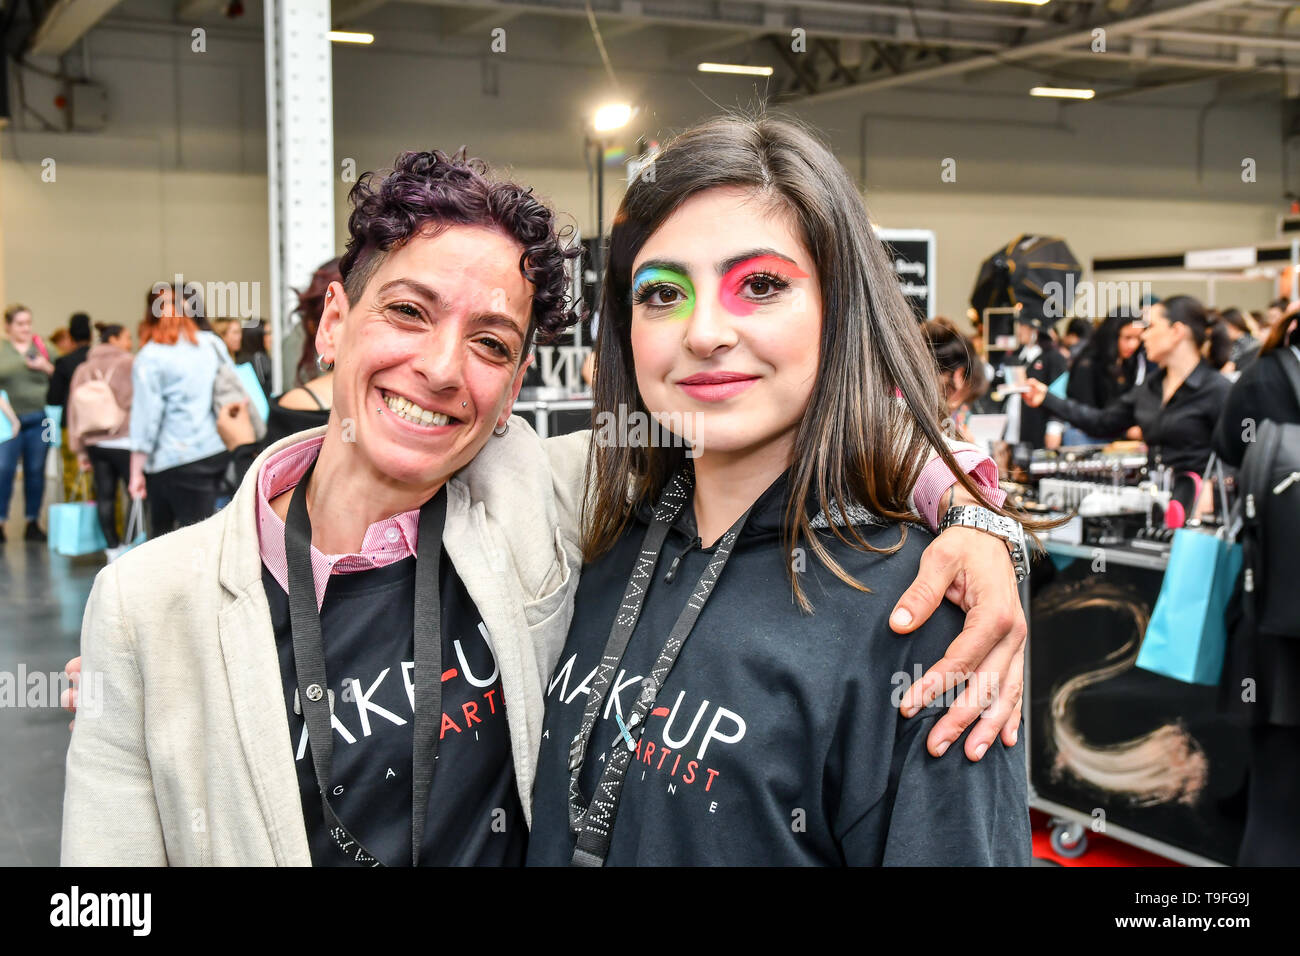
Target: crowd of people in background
x=167 y=424
x=1090 y=365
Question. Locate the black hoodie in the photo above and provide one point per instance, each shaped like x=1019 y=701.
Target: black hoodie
x=776 y=738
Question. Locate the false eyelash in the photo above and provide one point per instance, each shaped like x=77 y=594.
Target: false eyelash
x=780 y=282
x=643 y=292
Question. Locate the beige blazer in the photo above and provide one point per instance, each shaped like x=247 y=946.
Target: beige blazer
x=181 y=752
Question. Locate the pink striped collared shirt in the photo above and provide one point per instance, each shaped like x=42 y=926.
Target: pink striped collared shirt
x=385 y=541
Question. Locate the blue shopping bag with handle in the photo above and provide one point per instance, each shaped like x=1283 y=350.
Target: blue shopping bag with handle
x=1187 y=635
x=74 y=525
x=135 y=533
x=248 y=378
x=9 y=426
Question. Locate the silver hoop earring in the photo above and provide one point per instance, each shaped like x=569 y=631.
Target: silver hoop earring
x=323 y=365
x=504 y=428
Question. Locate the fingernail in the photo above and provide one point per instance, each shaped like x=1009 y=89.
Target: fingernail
x=901 y=617
x=942 y=747
x=979 y=751
x=1015 y=735
x=909 y=710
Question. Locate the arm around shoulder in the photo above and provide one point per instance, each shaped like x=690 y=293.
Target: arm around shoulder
x=110 y=815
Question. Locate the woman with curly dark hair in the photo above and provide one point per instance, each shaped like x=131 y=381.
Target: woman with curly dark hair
x=353 y=550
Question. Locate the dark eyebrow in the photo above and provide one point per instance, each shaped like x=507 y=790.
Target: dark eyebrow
x=731 y=262
x=497 y=319
x=431 y=294
x=419 y=288
x=670 y=264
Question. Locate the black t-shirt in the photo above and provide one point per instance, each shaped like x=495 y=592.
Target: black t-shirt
x=474 y=814
x=776 y=738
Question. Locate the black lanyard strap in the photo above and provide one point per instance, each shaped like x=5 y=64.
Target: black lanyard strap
x=594 y=824
x=316 y=701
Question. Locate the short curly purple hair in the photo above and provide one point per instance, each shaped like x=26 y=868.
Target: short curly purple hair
x=426 y=189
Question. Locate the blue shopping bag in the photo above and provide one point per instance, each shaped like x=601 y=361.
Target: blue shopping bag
x=1187 y=635
x=8 y=421
x=74 y=525
x=248 y=379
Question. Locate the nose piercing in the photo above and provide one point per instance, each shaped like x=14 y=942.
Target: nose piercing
x=464 y=404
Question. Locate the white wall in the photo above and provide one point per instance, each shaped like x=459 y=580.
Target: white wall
x=176 y=182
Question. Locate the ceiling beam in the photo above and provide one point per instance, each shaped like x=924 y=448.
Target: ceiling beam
x=1050 y=45
x=1170 y=59
x=1223 y=39
x=66 y=22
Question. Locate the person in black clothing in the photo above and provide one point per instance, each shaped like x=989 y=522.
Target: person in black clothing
x=1218 y=348
x=1176 y=408
x=1043 y=363
x=1106 y=367
x=1271 y=661
x=64 y=366
x=1077 y=333
x=1245 y=347
x=253 y=349
x=775 y=327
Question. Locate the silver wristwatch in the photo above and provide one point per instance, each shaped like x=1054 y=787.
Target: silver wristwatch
x=983 y=519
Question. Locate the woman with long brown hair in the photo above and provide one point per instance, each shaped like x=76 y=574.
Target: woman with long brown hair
x=728 y=693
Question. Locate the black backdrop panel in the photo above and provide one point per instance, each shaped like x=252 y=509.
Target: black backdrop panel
x=910 y=259
x=1153 y=754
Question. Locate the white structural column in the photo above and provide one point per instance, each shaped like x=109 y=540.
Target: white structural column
x=299 y=158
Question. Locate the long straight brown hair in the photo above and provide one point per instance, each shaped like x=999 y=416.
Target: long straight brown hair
x=858 y=442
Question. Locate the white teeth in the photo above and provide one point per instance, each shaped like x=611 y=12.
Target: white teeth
x=407 y=409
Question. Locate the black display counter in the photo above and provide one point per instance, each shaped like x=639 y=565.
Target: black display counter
x=1113 y=749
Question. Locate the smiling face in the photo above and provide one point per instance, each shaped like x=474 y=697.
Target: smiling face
x=427 y=362
x=726 y=322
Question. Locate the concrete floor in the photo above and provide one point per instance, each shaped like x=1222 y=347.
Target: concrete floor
x=42 y=596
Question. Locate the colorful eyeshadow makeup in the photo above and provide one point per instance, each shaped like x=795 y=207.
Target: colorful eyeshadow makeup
x=649 y=277
x=739 y=276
